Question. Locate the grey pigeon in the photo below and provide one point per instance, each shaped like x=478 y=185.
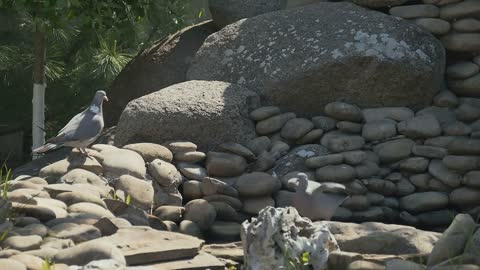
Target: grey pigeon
x=321 y=203
x=82 y=130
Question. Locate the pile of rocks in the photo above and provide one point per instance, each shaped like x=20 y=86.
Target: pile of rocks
x=457 y=248
x=108 y=211
x=399 y=166
x=456 y=24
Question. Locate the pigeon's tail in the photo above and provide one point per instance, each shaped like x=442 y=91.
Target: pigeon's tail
x=45 y=148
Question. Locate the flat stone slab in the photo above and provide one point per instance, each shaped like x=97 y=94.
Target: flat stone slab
x=231 y=251
x=199 y=262
x=143 y=245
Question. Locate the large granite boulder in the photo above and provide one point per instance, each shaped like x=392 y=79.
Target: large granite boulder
x=225 y=12
x=208 y=113
x=162 y=65
x=301 y=59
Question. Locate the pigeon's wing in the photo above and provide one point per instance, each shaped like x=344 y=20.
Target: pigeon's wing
x=73 y=122
x=84 y=126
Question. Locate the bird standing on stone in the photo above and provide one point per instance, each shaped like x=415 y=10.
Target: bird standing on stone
x=321 y=203
x=82 y=130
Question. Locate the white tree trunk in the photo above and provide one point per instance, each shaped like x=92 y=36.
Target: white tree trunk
x=38 y=116
x=39 y=86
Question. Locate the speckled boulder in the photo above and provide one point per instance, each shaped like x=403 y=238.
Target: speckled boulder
x=292 y=59
x=207 y=113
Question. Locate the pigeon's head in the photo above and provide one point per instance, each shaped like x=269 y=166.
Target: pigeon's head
x=100 y=96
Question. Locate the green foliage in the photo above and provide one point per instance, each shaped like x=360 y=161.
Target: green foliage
x=88 y=43
x=48 y=264
x=128 y=200
x=5 y=179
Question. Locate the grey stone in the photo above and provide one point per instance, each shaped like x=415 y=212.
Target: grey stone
x=441 y=2
x=378 y=4
x=311 y=137
x=393 y=113
x=122 y=161
x=395 y=150
x=232 y=201
x=437 y=185
x=420 y=181
x=338 y=142
x=208 y=124
x=424 y=201
x=391 y=202
x=295 y=128
x=464 y=146
x=225 y=230
x=467 y=87
x=375 y=198
x=224 y=211
x=415 y=11
x=356 y=202
x=462 y=70
x=381 y=186
x=354 y=157
x=189 y=227
x=200 y=212
x=233 y=55
x=371 y=214
x=442 y=141
x=456 y=129
x=443 y=115
x=445 y=99
x=434 y=25
x=141 y=192
x=452 y=242
x=192 y=171
x=180 y=146
x=190 y=157
x=259 y=145
x=467 y=25
x=90 y=208
x=342 y=214
x=237 y=149
x=414 y=164
x=465 y=197
x=224 y=164
x=212 y=186
x=467 y=8
x=436 y=218
x=404 y=187
x=320 y=161
x=324 y=122
x=257 y=184
x=11 y=264
x=349 y=127
x=192 y=190
x=420 y=127
x=273 y=124
x=344 y=111
x=253 y=206
x=438 y=170
x=461 y=163
x=379 y=130
x=356 y=187
x=335 y=173
x=168 y=212
x=263 y=113
x=461 y=42
x=81 y=176
x=76 y=232
x=467 y=112
x=429 y=151
x=472 y=179
x=22 y=243
x=89 y=251
x=151 y=151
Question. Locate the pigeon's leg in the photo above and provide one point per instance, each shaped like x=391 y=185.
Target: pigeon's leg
x=86 y=153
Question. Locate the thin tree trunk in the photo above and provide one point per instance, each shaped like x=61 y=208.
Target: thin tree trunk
x=39 y=86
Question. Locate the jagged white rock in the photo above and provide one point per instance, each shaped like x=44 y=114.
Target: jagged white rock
x=279 y=236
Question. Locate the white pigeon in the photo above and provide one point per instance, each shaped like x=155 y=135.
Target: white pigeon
x=82 y=130
x=321 y=203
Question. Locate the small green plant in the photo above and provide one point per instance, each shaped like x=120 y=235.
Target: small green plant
x=128 y=200
x=5 y=179
x=48 y=264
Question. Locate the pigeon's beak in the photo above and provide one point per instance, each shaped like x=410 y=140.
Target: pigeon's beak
x=105 y=98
